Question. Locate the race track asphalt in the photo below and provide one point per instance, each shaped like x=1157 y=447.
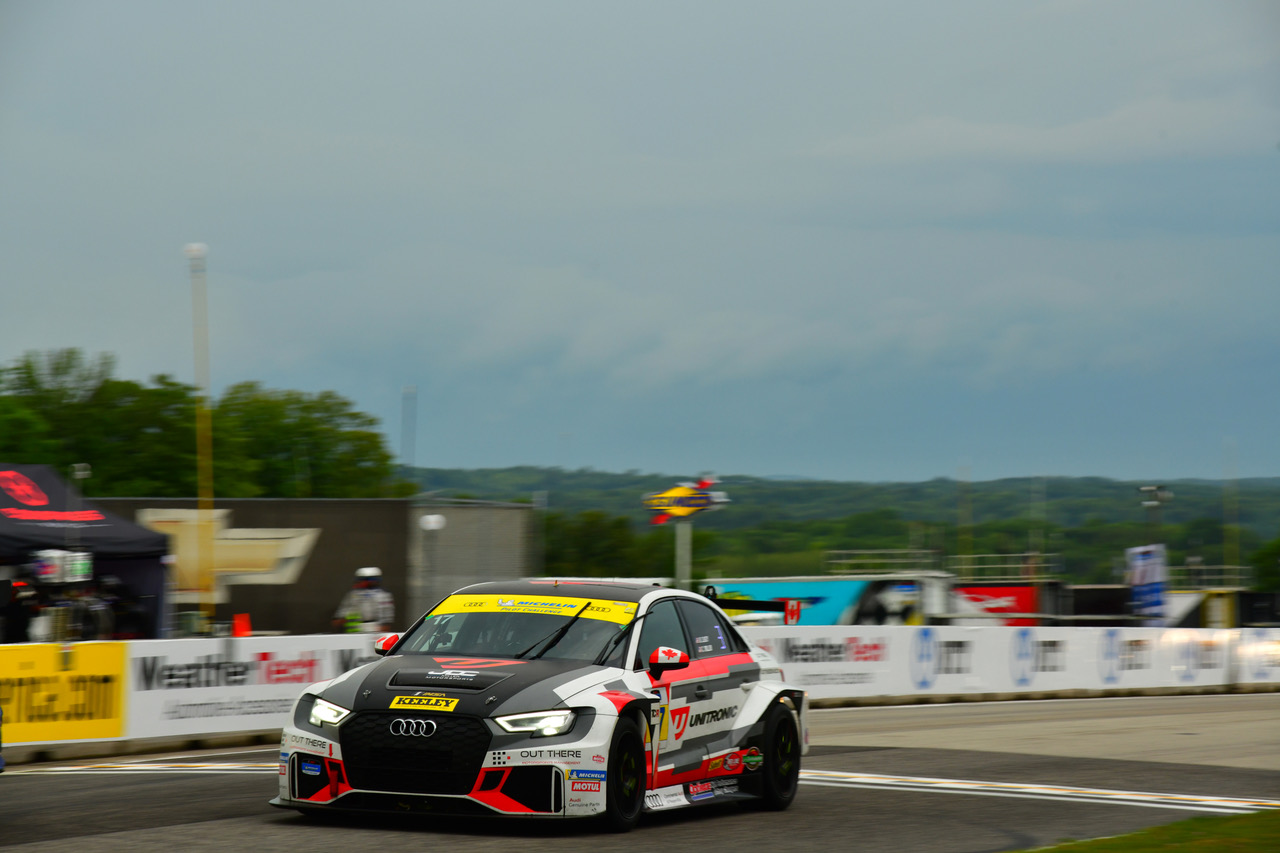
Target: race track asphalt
x=1225 y=746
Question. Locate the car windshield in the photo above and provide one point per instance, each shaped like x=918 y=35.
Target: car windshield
x=520 y=626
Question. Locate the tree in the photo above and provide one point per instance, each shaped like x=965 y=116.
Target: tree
x=308 y=445
x=1266 y=567
x=25 y=435
x=61 y=408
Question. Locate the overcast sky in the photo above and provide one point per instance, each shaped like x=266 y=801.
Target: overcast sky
x=853 y=241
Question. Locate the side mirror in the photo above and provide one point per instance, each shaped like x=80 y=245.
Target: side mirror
x=383 y=644
x=665 y=658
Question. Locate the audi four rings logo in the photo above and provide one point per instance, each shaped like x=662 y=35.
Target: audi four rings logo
x=413 y=728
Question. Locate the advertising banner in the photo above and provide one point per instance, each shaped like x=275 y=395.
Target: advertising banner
x=849 y=661
x=52 y=693
x=833 y=602
x=1002 y=599
x=1148 y=576
x=232 y=684
x=1258 y=656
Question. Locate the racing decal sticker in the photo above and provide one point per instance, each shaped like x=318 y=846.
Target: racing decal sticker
x=752 y=759
x=477 y=663
x=620 y=612
x=310 y=768
x=619 y=699
x=665 y=798
x=700 y=791
x=308 y=744
x=424 y=703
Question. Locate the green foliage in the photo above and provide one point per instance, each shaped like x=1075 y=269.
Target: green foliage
x=1266 y=566
x=307 y=445
x=59 y=408
x=1247 y=833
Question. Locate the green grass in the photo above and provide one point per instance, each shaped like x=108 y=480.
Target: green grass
x=1251 y=833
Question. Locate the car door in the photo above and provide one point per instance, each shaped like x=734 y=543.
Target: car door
x=719 y=670
x=669 y=761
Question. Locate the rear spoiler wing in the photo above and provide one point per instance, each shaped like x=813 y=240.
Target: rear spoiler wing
x=788 y=607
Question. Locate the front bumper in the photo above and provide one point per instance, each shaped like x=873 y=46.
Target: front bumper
x=471 y=770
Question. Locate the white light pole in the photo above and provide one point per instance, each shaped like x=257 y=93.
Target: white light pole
x=196 y=253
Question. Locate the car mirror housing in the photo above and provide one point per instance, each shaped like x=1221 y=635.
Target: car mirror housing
x=383 y=644
x=665 y=658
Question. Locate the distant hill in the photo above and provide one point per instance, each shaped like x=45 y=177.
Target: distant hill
x=1066 y=501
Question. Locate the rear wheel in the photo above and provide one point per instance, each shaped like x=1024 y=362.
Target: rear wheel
x=781 y=758
x=624 y=787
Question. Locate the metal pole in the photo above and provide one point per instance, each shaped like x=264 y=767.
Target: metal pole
x=684 y=554
x=196 y=253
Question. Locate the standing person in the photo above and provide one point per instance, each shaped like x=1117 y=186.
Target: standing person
x=366 y=607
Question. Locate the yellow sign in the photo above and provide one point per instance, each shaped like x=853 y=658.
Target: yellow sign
x=424 y=703
x=620 y=612
x=679 y=501
x=51 y=692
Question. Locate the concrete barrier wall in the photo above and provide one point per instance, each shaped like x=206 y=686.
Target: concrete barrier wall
x=112 y=698
x=848 y=664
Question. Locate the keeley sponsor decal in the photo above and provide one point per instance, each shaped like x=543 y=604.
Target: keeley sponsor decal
x=424 y=703
x=157 y=673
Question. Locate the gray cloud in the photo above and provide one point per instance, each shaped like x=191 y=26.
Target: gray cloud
x=568 y=218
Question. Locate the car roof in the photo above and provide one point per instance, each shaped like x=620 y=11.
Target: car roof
x=584 y=588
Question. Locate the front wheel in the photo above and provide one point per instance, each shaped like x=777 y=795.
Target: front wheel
x=624 y=787
x=781 y=758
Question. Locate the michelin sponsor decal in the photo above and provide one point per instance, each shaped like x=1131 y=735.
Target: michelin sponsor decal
x=620 y=612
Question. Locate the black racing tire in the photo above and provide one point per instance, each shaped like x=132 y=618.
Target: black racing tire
x=781 y=747
x=626 y=781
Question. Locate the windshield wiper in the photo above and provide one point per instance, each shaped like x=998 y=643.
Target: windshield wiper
x=556 y=636
x=617 y=638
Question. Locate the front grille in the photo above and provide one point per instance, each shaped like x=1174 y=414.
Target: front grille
x=445 y=763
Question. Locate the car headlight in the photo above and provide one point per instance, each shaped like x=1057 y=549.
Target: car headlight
x=326 y=712
x=539 y=723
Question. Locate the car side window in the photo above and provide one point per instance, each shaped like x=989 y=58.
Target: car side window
x=711 y=636
x=661 y=627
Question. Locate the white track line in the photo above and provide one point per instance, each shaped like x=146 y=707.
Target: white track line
x=820 y=778
x=925 y=784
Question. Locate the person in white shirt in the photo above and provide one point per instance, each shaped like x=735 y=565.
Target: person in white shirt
x=366 y=607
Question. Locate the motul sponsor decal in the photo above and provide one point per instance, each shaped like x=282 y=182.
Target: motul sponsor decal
x=586 y=786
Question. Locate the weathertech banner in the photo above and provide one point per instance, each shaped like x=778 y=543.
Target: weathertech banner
x=212 y=686
x=52 y=693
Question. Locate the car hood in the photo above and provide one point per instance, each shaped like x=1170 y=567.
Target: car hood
x=484 y=687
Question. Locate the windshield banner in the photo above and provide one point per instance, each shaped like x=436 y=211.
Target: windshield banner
x=620 y=612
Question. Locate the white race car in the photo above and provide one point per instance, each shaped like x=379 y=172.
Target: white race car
x=550 y=699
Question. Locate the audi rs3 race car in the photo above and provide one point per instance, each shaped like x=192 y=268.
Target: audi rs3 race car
x=550 y=699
